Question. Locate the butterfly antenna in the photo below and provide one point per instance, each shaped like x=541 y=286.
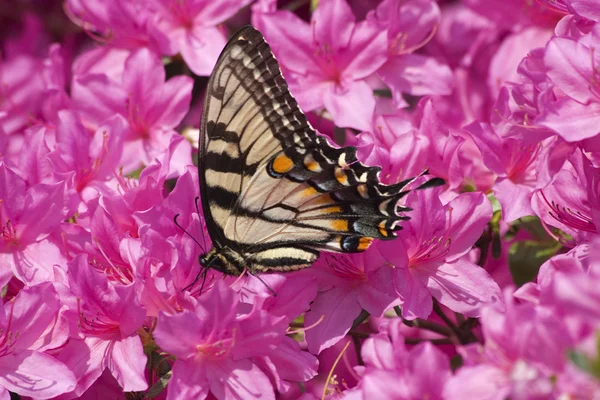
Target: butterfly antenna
x=187 y=233
x=196 y=200
x=197 y=207
x=264 y=283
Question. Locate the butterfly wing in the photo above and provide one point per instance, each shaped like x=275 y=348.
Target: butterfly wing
x=273 y=189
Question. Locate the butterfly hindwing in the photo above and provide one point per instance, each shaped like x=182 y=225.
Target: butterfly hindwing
x=273 y=191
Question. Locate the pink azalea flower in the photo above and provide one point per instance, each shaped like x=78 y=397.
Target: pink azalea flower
x=395 y=372
x=410 y=25
x=514 y=165
x=584 y=8
x=192 y=29
x=515 y=14
x=571 y=65
x=25 y=224
x=21 y=88
x=327 y=61
x=428 y=255
x=514 y=361
x=94 y=159
x=225 y=348
x=26 y=368
x=571 y=202
x=125 y=24
x=109 y=316
x=347 y=285
x=295 y=293
x=152 y=107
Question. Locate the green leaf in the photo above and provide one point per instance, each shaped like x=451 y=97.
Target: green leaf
x=136 y=174
x=526 y=257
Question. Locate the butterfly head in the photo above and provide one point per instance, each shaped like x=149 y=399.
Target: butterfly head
x=219 y=260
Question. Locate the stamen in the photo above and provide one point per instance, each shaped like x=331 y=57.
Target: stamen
x=330 y=375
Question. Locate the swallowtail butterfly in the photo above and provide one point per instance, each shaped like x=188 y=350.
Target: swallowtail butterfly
x=275 y=193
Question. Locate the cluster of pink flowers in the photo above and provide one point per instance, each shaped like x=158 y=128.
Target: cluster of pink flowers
x=491 y=291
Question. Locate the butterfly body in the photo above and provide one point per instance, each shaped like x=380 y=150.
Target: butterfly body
x=274 y=192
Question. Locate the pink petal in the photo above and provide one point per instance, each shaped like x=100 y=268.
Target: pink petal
x=172 y=338
x=174 y=102
x=387 y=384
x=586 y=8
x=309 y=91
x=379 y=294
x=38 y=222
x=351 y=106
x=85 y=358
x=571 y=120
x=33 y=161
x=188 y=381
x=483 y=382
x=143 y=74
x=415 y=296
x=35 y=264
x=514 y=198
x=97 y=98
x=72 y=143
x=201 y=47
x=431 y=369
x=35 y=374
x=12 y=190
x=378 y=351
x=288 y=36
x=293 y=364
x=417 y=75
x=470 y=213
x=339 y=307
x=569 y=65
x=212 y=13
x=106 y=60
x=333 y=23
x=127 y=362
x=461 y=286
x=233 y=380
x=367 y=51
x=504 y=63
x=34 y=309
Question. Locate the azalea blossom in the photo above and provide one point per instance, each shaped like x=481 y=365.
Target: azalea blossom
x=103 y=228
x=327 y=61
x=428 y=257
x=225 y=350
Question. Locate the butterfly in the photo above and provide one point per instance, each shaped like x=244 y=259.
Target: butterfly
x=274 y=192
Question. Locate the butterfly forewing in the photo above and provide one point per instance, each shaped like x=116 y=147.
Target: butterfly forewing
x=274 y=191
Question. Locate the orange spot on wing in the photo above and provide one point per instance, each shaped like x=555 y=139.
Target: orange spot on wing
x=309 y=192
x=382 y=229
x=332 y=210
x=364 y=243
x=325 y=199
x=341 y=176
x=362 y=190
x=282 y=164
x=339 y=225
x=312 y=166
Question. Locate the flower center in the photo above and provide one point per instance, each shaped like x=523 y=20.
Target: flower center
x=572 y=218
x=217 y=348
x=8 y=338
x=98 y=325
x=8 y=233
x=344 y=267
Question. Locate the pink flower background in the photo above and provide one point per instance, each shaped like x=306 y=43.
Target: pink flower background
x=491 y=291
